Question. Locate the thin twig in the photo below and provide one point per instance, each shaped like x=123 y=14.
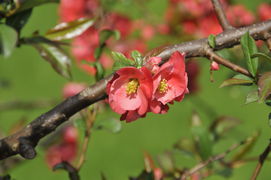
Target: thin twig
x=262 y=159
x=23 y=105
x=221 y=15
x=211 y=160
x=220 y=60
x=91 y=115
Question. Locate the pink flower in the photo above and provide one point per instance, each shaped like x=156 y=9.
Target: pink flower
x=169 y=83
x=238 y=15
x=129 y=92
x=264 y=11
x=214 y=66
x=72 y=88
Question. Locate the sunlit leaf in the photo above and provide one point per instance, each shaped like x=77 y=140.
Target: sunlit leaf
x=246 y=148
x=264 y=86
x=234 y=81
x=186 y=146
x=262 y=55
x=252 y=97
x=166 y=162
x=68 y=30
x=211 y=40
x=17 y=21
x=137 y=58
x=222 y=125
x=8 y=40
x=249 y=48
x=56 y=56
x=121 y=61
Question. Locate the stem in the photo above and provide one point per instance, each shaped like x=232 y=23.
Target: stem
x=262 y=159
x=220 y=60
x=221 y=15
x=91 y=115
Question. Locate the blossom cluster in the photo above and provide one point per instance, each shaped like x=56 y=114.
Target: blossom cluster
x=135 y=91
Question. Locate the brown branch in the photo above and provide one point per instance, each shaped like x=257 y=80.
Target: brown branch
x=220 y=60
x=211 y=160
x=268 y=42
x=24 y=141
x=221 y=15
x=262 y=159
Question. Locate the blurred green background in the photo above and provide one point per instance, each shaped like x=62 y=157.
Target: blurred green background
x=120 y=155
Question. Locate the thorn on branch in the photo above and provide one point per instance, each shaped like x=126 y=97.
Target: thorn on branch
x=221 y=15
x=26 y=149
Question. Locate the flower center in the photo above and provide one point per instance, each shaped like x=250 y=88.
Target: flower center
x=132 y=86
x=163 y=86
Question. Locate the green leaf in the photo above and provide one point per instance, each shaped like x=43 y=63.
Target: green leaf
x=166 y=162
x=56 y=56
x=186 y=146
x=202 y=137
x=100 y=71
x=262 y=55
x=264 y=86
x=252 y=97
x=211 y=40
x=121 y=61
x=112 y=125
x=8 y=40
x=249 y=48
x=107 y=33
x=69 y=30
x=245 y=149
x=137 y=58
x=17 y=21
x=235 y=81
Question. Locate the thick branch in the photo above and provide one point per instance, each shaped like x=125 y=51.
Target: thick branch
x=24 y=141
x=221 y=15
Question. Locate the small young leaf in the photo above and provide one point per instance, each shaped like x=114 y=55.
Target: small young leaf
x=8 y=40
x=107 y=33
x=18 y=20
x=69 y=30
x=234 y=81
x=249 y=48
x=137 y=58
x=252 y=97
x=264 y=85
x=56 y=56
x=211 y=40
x=262 y=55
x=100 y=71
x=121 y=61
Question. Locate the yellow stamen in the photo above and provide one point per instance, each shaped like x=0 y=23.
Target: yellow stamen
x=163 y=86
x=132 y=86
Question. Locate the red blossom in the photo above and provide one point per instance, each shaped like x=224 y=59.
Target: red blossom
x=169 y=83
x=214 y=66
x=264 y=11
x=66 y=150
x=72 y=88
x=238 y=15
x=129 y=92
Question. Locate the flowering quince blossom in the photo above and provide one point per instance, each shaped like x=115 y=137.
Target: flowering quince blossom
x=135 y=91
x=130 y=91
x=169 y=83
